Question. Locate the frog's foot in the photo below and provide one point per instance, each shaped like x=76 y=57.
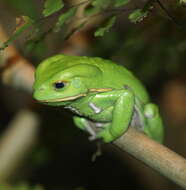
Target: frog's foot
x=95 y=129
x=80 y=122
x=85 y=125
x=155 y=129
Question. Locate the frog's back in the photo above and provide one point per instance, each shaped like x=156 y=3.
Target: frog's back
x=117 y=77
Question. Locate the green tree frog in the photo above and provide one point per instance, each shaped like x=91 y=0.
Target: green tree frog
x=99 y=92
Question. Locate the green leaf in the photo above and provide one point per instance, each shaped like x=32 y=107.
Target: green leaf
x=101 y=31
x=97 y=6
x=64 y=18
x=138 y=15
x=101 y=3
x=52 y=6
x=120 y=3
x=27 y=22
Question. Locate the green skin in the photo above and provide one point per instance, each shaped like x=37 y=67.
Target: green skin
x=101 y=93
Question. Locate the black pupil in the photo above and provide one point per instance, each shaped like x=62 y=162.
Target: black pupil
x=59 y=85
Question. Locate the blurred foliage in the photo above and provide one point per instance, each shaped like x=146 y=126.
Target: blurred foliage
x=97 y=7
x=52 y=6
x=148 y=39
x=64 y=18
x=22 y=24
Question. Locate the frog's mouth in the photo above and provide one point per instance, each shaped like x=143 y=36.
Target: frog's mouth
x=63 y=99
x=76 y=96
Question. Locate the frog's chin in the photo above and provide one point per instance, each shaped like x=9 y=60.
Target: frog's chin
x=61 y=101
x=66 y=103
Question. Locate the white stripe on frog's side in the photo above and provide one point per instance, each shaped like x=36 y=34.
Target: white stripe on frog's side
x=94 y=107
x=74 y=110
x=99 y=125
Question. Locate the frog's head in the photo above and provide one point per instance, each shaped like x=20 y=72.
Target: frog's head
x=62 y=79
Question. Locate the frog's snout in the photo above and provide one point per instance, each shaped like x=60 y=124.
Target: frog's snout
x=38 y=92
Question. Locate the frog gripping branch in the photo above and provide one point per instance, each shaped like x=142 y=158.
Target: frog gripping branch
x=99 y=92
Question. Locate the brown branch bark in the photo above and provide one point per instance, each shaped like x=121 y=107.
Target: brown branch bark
x=155 y=155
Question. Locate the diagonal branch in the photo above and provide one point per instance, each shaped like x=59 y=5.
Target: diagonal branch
x=155 y=155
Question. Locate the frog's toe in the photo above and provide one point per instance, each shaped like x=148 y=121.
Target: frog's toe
x=92 y=137
x=105 y=135
x=80 y=122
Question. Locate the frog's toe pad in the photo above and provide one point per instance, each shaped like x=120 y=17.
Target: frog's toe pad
x=150 y=110
x=92 y=138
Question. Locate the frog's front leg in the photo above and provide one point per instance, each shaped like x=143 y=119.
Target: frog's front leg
x=84 y=124
x=121 y=114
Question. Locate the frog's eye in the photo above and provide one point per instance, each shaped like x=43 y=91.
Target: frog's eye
x=59 y=85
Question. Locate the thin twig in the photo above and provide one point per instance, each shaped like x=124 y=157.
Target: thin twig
x=168 y=14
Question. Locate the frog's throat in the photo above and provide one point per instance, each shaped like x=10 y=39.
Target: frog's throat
x=77 y=96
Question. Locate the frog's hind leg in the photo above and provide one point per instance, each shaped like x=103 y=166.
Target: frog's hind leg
x=84 y=124
x=154 y=122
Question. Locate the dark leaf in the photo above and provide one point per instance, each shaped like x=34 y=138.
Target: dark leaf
x=101 y=31
x=65 y=17
x=120 y=3
x=52 y=6
x=138 y=15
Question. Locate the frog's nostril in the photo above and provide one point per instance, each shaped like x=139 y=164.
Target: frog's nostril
x=41 y=89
